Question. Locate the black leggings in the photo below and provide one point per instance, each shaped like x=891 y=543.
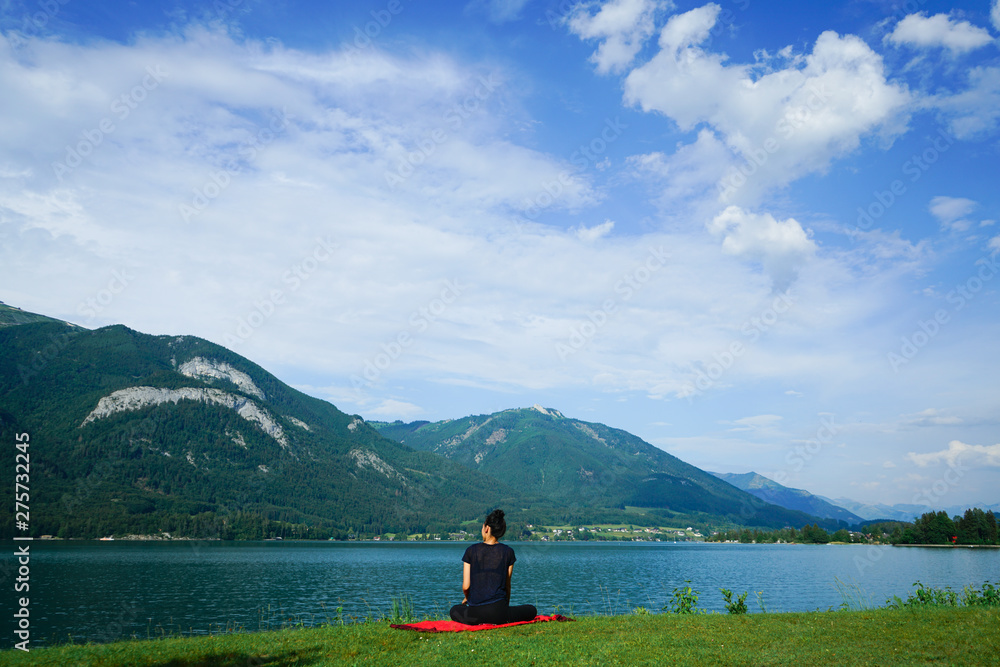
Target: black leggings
x=497 y=613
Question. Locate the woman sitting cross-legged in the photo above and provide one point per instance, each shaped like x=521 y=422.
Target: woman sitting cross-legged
x=486 y=580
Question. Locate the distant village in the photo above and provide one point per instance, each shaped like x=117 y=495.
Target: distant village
x=533 y=533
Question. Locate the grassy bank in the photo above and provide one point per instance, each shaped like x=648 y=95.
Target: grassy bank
x=908 y=636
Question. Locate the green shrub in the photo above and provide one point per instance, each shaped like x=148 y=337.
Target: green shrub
x=684 y=600
x=989 y=597
x=738 y=607
x=925 y=595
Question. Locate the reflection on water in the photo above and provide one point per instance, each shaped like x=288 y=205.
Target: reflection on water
x=104 y=591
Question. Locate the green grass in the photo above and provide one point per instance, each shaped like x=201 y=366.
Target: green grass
x=909 y=636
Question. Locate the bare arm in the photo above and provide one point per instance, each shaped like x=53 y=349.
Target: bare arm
x=510 y=572
x=467 y=582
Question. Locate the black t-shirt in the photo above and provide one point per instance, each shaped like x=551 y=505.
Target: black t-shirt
x=488 y=574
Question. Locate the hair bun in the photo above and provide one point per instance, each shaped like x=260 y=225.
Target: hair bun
x=498 y=525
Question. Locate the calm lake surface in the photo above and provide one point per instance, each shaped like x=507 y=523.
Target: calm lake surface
x=103 y=591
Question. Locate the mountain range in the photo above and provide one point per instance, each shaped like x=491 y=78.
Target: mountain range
x=148 y=434
x=772 y=492
x=142 y=434
x=903 y=511
x=548 y=457
x=844 y=509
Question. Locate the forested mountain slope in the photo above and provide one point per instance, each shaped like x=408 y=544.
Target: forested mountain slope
x=133 y=433
x=548 y=457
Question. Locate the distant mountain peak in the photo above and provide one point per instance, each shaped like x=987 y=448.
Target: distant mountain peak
x=550 y=412
x=793 y=499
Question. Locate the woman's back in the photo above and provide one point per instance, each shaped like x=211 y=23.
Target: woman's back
x=490 y=563
x=486 y=572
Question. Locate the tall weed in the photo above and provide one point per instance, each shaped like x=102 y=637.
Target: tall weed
x=738 y=607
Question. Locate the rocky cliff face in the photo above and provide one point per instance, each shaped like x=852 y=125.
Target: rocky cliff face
x=202 y=368
x=136 y=398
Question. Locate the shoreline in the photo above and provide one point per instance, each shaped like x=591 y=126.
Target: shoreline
x=951 y=546
x=161 y=538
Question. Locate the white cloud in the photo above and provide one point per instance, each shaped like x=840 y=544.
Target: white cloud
x=994 y=244
x=793 y=119
x=930 y=417
x=939 y=30
x=525 y=286
x=757 y=423
x=995 y=14
x=959 y=453
x=591 y=234
x=780 y=246
x=951 y=212
x=691 y=173
x=622 y=25
x=392 y=409
x=974 y=111
x=689 y=28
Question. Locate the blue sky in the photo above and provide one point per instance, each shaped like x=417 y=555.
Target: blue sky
x=761 y=236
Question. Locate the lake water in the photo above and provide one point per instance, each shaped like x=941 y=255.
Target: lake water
x=103 y=591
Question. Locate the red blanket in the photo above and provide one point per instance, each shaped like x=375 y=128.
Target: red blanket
x=452 y=626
